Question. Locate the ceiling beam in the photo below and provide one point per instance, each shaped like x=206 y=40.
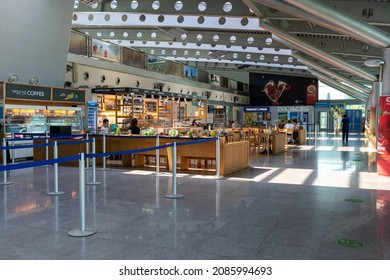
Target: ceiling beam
x=338 y=19
x=343 y=88
x=330 y=73
x=300 y=45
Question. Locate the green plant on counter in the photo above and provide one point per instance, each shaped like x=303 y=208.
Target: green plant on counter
x=148 y=132
x=173 y=132
x=190 y=134
x=213 y=133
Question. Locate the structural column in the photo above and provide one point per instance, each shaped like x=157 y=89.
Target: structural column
x=34 y=38
x=383 y=116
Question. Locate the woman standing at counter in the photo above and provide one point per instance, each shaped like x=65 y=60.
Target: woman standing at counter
x=134 y=127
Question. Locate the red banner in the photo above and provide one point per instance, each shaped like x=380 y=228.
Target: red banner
x=383 y=137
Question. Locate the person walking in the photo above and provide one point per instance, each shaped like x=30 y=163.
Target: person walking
x=345 y=128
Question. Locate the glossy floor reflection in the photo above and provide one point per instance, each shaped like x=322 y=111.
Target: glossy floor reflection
x=289 y=206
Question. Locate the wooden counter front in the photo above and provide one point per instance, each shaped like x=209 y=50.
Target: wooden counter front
x=278 y=143
x=64 y=150
x=234 y=156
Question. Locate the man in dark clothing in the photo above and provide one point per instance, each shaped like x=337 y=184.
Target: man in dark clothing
x=345 y=127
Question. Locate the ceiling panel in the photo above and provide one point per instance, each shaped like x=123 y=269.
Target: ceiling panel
x=232 y=35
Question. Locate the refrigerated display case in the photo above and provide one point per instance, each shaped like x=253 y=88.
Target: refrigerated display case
x=37 y=119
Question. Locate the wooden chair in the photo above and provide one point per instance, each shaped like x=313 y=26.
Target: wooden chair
x=264 y=142
x=253 y=137
x=284 y=131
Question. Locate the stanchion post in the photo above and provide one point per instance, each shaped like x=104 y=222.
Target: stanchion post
x=218 y=158
x=104 y=151
x=55 y=155
x=174 y=194
x=87 y=150
x=157 y=154
x=94 y=164
x=82 y=232
x=316 y=131
x=4 y=164
x=47 y=146
x=13 y=144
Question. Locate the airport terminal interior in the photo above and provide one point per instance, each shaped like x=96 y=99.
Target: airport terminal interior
x=319 y=201
x=173 y=65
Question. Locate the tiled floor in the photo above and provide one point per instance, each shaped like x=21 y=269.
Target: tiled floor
x=289 y=206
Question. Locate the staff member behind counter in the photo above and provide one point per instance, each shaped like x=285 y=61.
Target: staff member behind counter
x=105 y=129
x=196 y=122
x=134 y=126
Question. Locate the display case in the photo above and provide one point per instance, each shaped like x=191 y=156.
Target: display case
x=37 y=119
x=219 y=118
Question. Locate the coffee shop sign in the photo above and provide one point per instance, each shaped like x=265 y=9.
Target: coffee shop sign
x=32 y=93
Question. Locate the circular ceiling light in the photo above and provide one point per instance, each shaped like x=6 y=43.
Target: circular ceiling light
x=95 y=5
x=156 y=5
x=178 y=5
x=33 y=81
x=134 y=5
x=114 y=4
x=227 y=7
x=202 y=6
x=13 y=78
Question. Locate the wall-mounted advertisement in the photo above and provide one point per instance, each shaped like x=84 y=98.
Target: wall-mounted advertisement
x=278 y=90
x=175 y=69
x=105 y=50
x=156 y=64
x=78 y=43
x=203 y=76
x=383 y=139
x=133 y=58
x=232 y=84
x=214 y=79
x=190 y=72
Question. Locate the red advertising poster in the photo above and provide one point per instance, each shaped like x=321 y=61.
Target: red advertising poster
x=383 y=138
x=311 y=94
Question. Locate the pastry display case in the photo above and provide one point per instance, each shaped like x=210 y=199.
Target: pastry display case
x=38 y=119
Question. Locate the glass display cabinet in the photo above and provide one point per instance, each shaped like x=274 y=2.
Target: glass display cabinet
x=37 y=119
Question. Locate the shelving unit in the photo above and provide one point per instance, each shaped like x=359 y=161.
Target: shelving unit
x=165 y=112
x=219 y=118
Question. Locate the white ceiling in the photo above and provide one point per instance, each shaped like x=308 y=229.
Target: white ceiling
x=293 y=37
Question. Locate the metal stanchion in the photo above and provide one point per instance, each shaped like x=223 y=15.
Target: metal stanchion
x=93 y=165
x=13 y=144
x=82 y=232
x=316 y=131
x=4 y=164
x=218 y=159
x=55 y=192
x=87 y=151
x=104 y=151
x=158 y=154
x=46 y=149
x=174 y=194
